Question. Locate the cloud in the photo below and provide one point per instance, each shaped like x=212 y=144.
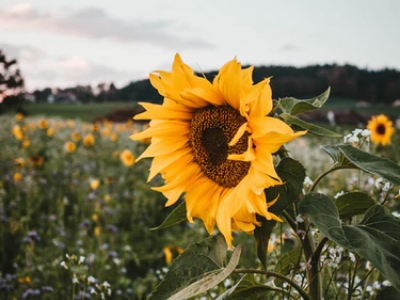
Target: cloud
x=289 y=48
x=22 y=52
x=95 y=23
x=72 y=71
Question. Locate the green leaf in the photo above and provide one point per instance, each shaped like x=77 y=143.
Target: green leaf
x=295 y=106
x=317 y=130
x=352 y=204
x=288 y=261
x=196 y=270
x=245 y=281
x=292 y=173
x=376 y=238
x=176 y=216
x=349 y=156
x=388 y=293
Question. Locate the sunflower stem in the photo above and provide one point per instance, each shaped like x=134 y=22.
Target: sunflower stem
x=276 y=275
x=313 y=275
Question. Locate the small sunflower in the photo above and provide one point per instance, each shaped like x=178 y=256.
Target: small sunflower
x=381 y=129
x=76 y=136
x=70 y=147
x=36 y=160
x=215 y=142
x=89 y=140
x=94 y=184
x=19 y=117
x=127 y=158
x=43 y=124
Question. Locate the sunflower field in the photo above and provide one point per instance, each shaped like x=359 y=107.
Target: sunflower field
x=297 y=212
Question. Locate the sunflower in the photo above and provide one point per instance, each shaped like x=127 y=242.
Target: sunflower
x=36 y=160
x=43 y=124
x=76 y=136
x=70 y=147
x=215 y=142
x=89 y=140
x=127 y=158
x=381 y=129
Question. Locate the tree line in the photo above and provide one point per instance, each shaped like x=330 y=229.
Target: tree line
x=371 y=86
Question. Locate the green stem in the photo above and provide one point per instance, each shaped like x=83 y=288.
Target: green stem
x=312 y=188
x=298 y=288
x=313 y=275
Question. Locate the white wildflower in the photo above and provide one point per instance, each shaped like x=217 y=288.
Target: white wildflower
x=354 y=139
x=106 y=284
x=379 y=183
x=352 y=257
x=339 y=194
x=387 y=186
x=63 y=264
x=308 y=181
x=366 y=132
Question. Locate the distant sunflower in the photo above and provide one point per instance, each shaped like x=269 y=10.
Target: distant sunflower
x=36 y=160
x=89 y=140
x=215 y=142
x=381 y=129
x=70 y=147
x=127 y=158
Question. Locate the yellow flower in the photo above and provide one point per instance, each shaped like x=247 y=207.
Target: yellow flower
x=127 y=158
x=114 y=137
x=17 y=176
x=32 y=126
x=70 y=123
x=96 y=127
x=95 y=217
x=19 y=162
x=107 y=198
x=50 y=132
x=26 y=143
x=215 y=142
x=19 y=117
x=120 y=127
x=16 y=131
x=105 y=132
x=88 y=140
x=381 y=129
x=168 y=254
x=115 y=154
x=76 y=136
x=97 y=230
x=43 y=124
x=94 y=184
x=70 y=147
x=36 y=160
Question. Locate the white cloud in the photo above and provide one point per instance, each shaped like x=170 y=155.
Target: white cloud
x=95 y=23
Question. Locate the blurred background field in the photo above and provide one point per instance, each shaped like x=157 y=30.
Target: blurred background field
x=76 y=219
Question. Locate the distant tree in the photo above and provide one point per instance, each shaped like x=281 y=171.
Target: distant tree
x=11 y=85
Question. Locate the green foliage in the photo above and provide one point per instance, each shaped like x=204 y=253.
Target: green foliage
x=197 y=270
x=351 y=157
x=293 y=106
x=388 y=293
x=352 y=204
x=292 y=174
x=377 y=237
x=176 y=216
x=314 y=129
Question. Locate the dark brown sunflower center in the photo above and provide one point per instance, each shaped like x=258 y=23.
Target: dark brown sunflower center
x=381 y=129
x=211 y=130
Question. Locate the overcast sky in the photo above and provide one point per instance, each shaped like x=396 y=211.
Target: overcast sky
x=68 y=42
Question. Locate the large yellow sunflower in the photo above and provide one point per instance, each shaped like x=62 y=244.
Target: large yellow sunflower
x=214 y=141
x=381 y=129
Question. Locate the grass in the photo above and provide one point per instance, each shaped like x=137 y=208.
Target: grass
x=85 y=112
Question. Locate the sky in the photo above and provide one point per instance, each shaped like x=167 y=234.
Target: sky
x=61 y=43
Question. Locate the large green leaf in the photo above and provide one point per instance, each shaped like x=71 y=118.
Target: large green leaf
x=377 y=237
x=295 y=106
x=388 y=293
x=352 y=204
x=349 y=156
x=176 y=216
x=317 y=130
x=196 y=270
x=288 y=261
x=292 y=173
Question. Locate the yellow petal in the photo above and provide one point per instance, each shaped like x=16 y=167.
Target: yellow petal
x=238 y=135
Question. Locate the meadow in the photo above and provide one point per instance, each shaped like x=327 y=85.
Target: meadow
x=76 y=210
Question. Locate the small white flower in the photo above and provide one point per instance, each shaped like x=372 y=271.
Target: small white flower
x=109 y=292
x=386 y=283
x=339 y=194
x=106 y=284
x=298 y=278
x=387 y=186
x=368 y=265
x=91 y=279
x=396 y=214
x=81 y=260
x=353 y=139
x=369 y=288
x=366 y=132
x=75 y=279
x=357 y=131
x=352 y=257
x=63 y=264
x=92 y=291
x=308 y=181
